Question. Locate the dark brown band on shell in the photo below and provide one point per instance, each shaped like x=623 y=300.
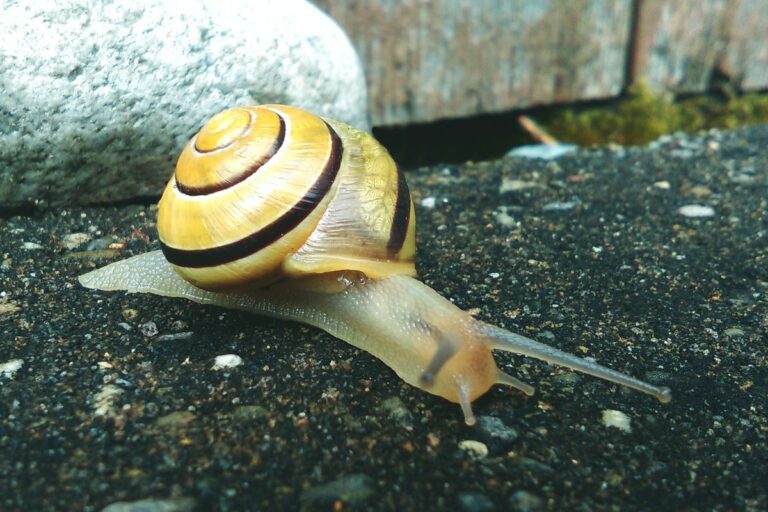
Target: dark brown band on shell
x=234 y=180
x=402 y=216
x=271 y=232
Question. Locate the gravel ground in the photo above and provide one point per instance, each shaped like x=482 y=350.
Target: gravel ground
x=107 y=399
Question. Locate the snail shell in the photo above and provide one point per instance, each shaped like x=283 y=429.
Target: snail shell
x=263 y=193
x=279 y=212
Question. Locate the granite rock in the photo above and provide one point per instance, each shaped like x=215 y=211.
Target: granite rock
x=101 y=117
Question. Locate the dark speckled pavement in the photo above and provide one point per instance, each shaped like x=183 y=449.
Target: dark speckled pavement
x=107 y=398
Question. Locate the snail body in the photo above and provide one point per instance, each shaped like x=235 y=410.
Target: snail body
x=279 y=212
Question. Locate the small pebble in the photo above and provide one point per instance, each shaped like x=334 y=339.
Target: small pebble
x=475 y=502
x=494 y=429
x=149 y=329
x=176 y=336
x=743 y=179
x=247 y=413
x=397 y=411
x=179 y=325
x=505 y=219
x=524 y=501
x=31 y=246
x=91 y=255
x=9 y=369
x=227 y=361
x=8 y=308
x=567 y=380
x=533 y=465
x=547 y=335
x=508 y=185
x=734 y=332
x=542 y=151
x=129 y=314
x=352 y=489
x=663 y=185
x=100 y=243
x=576 y=178
x=696 y=211
x=474 y=448
x=123 y=383
x=176 y=419
x=180 y=504
x=616 y=419
x=104 y=400
x=74 y=240
x=683 y=154
x=560 y=206
x=700 y=191
x=429 y=202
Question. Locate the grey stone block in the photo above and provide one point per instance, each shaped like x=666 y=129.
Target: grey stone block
x=99 y=97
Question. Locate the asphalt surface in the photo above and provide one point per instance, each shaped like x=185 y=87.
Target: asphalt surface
x=108 y=399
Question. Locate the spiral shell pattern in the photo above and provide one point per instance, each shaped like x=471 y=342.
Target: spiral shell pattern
x=268 y=192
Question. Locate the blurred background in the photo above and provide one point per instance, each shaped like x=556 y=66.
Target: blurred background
x=591 y=71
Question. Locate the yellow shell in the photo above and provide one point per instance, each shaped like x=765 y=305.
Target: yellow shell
x=267 y=192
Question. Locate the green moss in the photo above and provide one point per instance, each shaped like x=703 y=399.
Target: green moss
x=643 y=115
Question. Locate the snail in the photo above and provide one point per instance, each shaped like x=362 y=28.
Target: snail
x=276 y=211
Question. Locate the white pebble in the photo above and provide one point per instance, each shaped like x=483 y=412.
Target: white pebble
x=696 y=211
x=429 y=202
x=505 y=219
x=176 y=336
x=149 y=329
x=616 y=419
x=560 y=206
x=31 y=246
x=663 y=185
x=104 y=401
x=475 y=448
x=74 y=240
x=542 y=151
x=227 y=361
x=508 y=185
x=10 y=368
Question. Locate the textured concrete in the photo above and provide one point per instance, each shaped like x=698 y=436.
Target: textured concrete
x=653 y=261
